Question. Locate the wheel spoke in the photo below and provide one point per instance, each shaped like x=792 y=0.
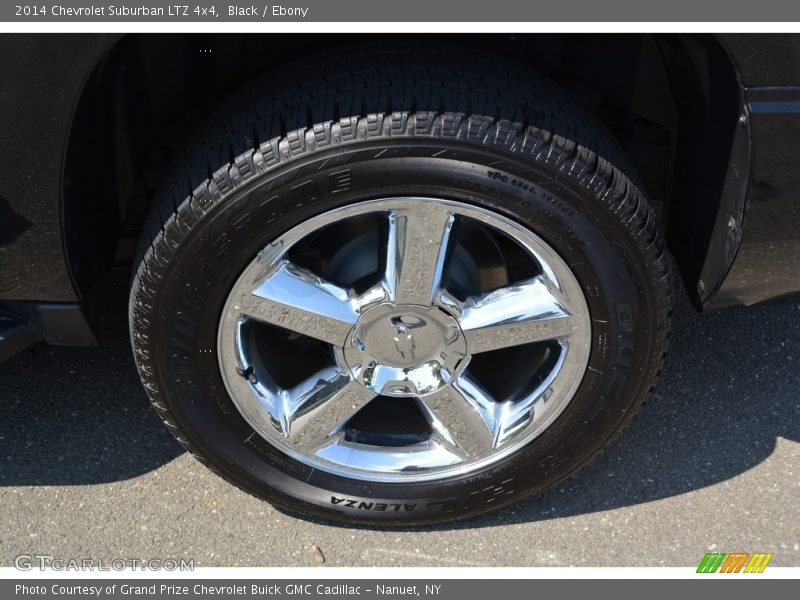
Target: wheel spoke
x=512 y=417
x=296 y=299
x=515 y=315
x=462 y=417
x=418 y=239
x=320 y=406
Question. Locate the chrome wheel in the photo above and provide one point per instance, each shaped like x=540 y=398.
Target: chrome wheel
x=404 y=339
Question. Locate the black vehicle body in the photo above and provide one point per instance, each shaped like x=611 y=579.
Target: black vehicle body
x=711 y=122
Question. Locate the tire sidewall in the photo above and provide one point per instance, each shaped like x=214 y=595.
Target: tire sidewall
x=207 y=247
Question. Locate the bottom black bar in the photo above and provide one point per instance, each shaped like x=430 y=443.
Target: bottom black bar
x=375 y=589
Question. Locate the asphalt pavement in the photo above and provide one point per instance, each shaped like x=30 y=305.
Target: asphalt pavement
x=711 y=463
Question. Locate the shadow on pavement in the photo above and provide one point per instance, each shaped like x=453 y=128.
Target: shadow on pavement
x=71 y=416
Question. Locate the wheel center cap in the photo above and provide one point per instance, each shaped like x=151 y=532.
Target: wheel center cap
x=405 y=349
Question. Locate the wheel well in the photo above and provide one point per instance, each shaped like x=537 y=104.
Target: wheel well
x=672 y=101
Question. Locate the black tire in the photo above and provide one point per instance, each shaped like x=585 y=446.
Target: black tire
x=378 y=121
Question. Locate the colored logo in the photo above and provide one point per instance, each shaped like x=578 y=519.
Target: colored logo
x=735 y=562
